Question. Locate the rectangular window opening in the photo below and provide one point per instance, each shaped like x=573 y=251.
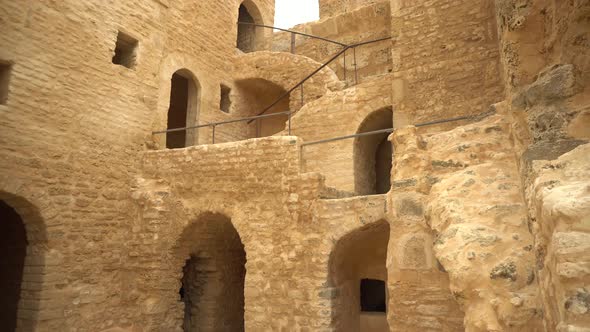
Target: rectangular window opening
x=5 y=70
x=225 y=103
x=125 y=50
x=373 y=296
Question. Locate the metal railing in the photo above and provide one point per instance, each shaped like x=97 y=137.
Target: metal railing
x=294 y=34
x=391 y=130
x=299 y=85
x=213 y=125
x=324 y=65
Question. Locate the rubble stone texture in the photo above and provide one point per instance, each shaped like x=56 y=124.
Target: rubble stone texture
x=468 y=211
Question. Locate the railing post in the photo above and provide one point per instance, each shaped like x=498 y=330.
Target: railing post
x=356 y=77
x=293 y=36
x=213 y=135
x=257 y=128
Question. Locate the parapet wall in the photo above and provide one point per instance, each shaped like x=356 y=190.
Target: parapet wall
x=330 y=8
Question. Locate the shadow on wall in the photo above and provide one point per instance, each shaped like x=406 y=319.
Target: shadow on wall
x=212 y=283
x=358 y=273
x=22 y=246
x=373 y=155
x=254 y=95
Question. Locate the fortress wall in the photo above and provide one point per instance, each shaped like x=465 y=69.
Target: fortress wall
x=73 y=124
x=446 y=59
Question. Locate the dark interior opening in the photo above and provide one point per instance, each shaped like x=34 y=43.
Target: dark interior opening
x=5 y=69
x=212 y=284
x=225 y=102
x=246 y=32
x=177 y=113
x=13 y=246
x=373 y=155
x=373 y=295
x=125 y=50
x=383 y=161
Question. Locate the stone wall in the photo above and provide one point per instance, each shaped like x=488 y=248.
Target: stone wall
x=338 y=113
x=486 y=225
x=74 y=124
x=279 y=218
x=459 y=195
x=546 y=58
x=446 y=61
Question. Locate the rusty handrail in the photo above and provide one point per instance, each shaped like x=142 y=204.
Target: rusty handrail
x=212 y=125
x=478 y=116
x=324 y=65
x=295 y=32
x=261 y=114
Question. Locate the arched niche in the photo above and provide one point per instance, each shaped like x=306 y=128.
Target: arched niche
x=249 y=37
x=213 y=275
x=357 y=271
x=22 y=257
x=183 y=110
x=373 y=154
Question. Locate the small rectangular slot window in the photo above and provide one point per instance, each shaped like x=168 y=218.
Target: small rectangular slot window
x=373 y=295
x=5 y=70
x=225 y=103
x=125 y=50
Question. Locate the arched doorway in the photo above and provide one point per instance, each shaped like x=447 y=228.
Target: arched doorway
x=373 y=155
x=358 y=272
x=213 y=275
x=248 y=36
x=253 y=96
x=183 y=110
x=13 y=248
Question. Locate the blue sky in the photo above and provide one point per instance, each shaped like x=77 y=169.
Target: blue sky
x=292 y=12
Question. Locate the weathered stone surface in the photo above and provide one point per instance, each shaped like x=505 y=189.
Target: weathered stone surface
x=554 y=83
x=484 y=228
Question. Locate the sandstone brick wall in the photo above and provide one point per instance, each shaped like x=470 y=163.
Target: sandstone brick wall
x=110 y=225
x=74 y=124
x=288 y=234
x=336 y=114
x=446 y=59
x=253 y=183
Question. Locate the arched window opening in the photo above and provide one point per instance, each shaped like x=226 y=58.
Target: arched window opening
x=183 y=110
x=212 y=283
x=373 y=155
x=358 y=273
x=248 y=33
x=253 y=96
x=13 y=248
